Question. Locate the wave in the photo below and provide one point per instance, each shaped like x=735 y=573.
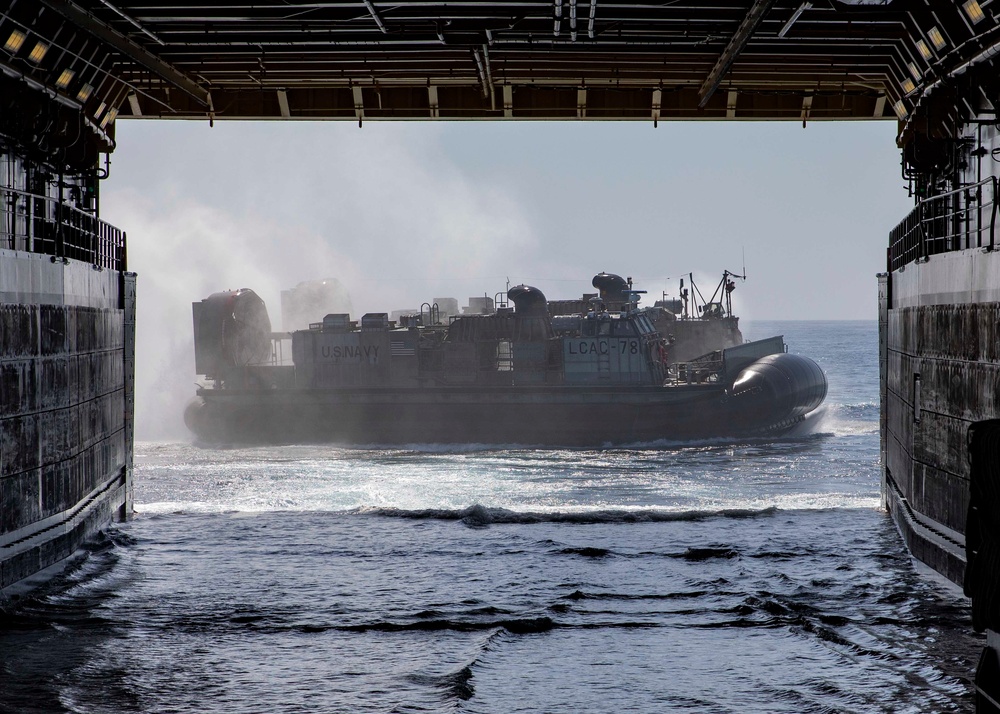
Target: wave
x=847 y=419
x=457 y=684
x=700 y=554
x=515 y=626
x=861 y=410
x=478 y=515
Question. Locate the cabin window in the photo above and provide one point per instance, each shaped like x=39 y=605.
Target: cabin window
x=624 y=328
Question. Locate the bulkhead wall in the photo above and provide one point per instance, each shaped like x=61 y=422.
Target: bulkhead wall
x=66 y=348
x=941 y=369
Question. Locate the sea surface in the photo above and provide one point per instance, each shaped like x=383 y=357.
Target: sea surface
x=721 y=576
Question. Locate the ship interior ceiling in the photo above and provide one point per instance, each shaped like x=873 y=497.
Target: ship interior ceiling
x=562 y=59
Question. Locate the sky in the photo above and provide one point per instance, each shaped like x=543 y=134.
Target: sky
x=402 y=213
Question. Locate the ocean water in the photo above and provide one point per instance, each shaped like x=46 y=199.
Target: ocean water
x=721 y=576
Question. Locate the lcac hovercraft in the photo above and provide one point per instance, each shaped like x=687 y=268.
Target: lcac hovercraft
x=512 y=374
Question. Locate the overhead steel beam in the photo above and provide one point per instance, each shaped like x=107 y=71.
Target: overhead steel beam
x=132 y=21
x=795 y=16
x=375 y=16
x=639 y=60
x=283 y=104
x=484 y=74
x=733 y=49
x=489 y=77
x=134 y=51
x=432 y=101
x=879 y=105
x=359 y=104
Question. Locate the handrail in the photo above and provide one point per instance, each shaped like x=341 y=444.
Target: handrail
x=695 y=371
x=950 y=221
x=42 y=224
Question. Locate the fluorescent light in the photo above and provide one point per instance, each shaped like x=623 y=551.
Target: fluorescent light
x=84 y=93
x=100 y=109
x=914 y=71
x=936 y=38
x=900 y=109
x=65 y=78
x=908 y=85
x=109 y=117
x=37 y=53
x=923 y=49
x=973 y=10
x=14 y=42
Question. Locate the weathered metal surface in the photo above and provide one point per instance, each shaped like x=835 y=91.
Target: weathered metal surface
x=352 y=358
x=64 y=449
x=953 y=351
x=926 y=541
x=128 y=305
x=884 y=301
x=940 y=318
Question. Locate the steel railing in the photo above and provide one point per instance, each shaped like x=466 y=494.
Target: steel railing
x=694 y=372
x=957 y=220
x=42 y=224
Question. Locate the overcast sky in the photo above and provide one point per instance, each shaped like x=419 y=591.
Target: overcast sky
x=402 y=213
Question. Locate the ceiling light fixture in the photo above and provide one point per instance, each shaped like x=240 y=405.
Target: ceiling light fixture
x=937 y=39
x=14 y=42
x=37 y=53
x=84 y=93
x=900 y=109
x=65 y=77
x=974 y=11
x=914 y=71
x=908 y=85
x=109 y=117
x=924 y=50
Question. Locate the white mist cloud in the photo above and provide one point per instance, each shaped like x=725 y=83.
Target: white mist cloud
x=394 y=223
